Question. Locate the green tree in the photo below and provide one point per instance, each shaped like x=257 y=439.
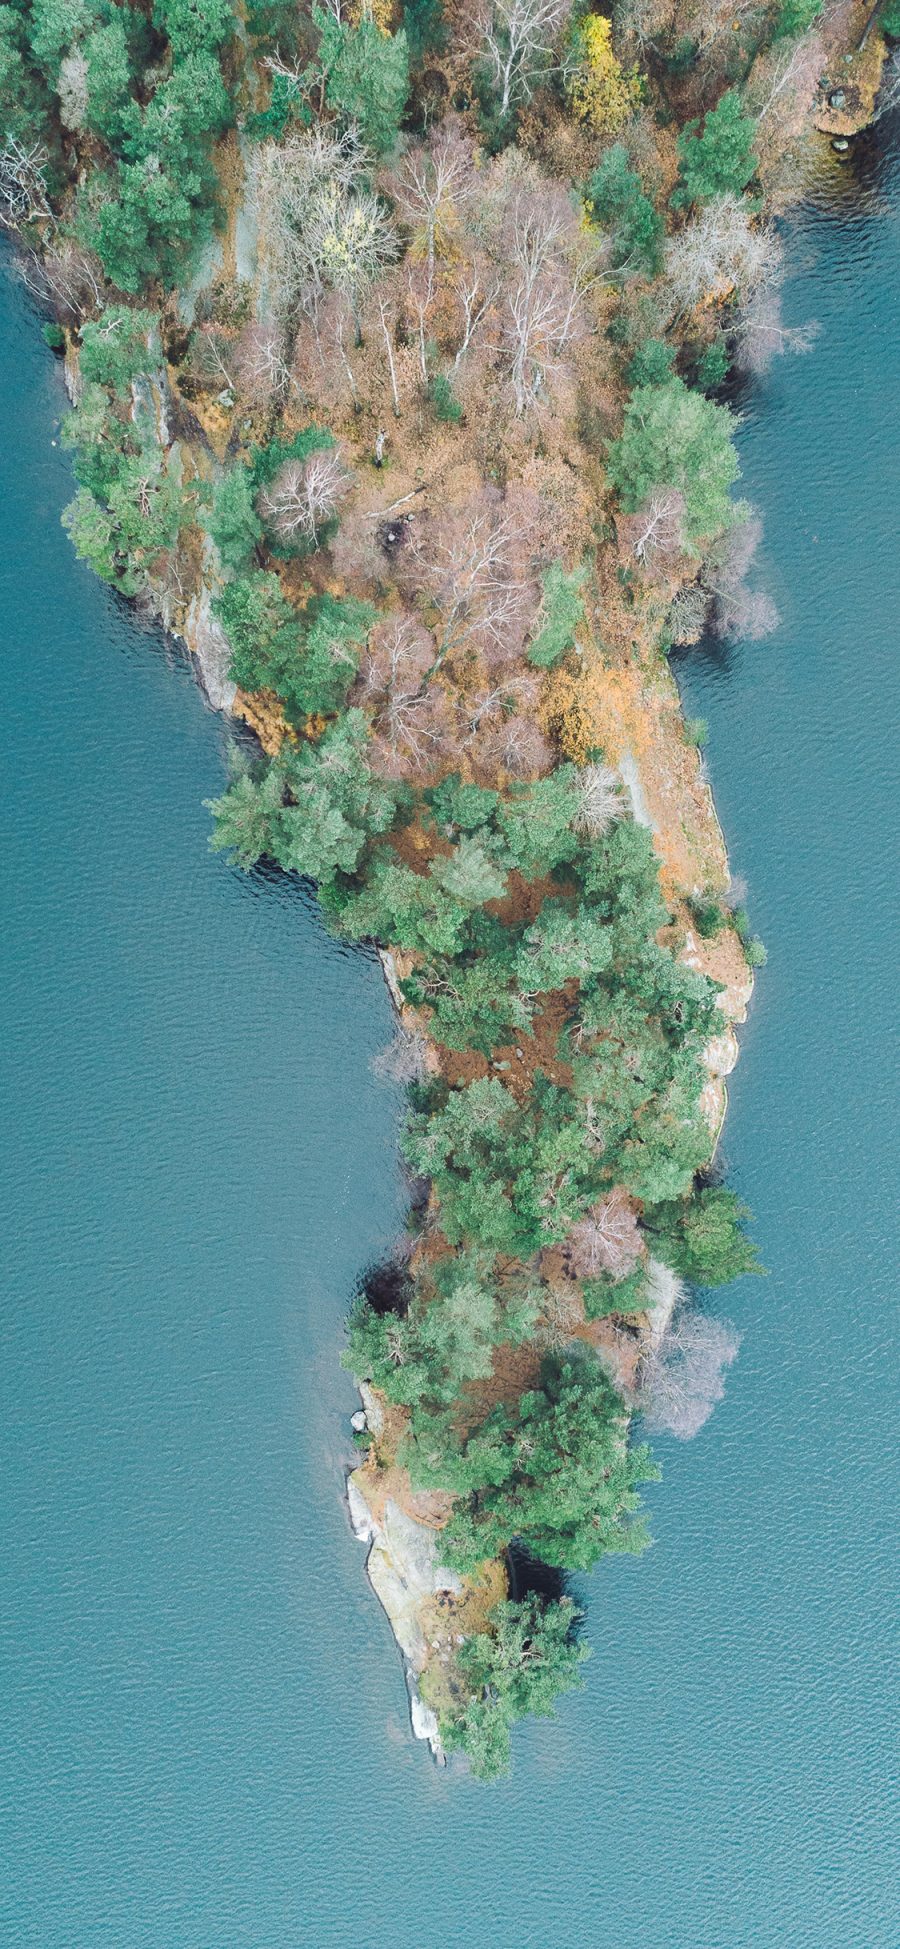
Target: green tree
x=109 y=79
x=368 y=77
x=718 y=159
x=651 y=364
x=312 y=808
x=194 y=26
x=57 y=25
x=526 y=1660
x=118 y=346
x=616 y=200
x=556 y=1473
x=232 y=520
x=702 y=1236
x=674 y=437
x=562 y=610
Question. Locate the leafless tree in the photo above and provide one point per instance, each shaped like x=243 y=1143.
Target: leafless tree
x=262 y=367
x=67 y=280
x=601 y=801
x=305 y=494
x=473 y=560
x=72 y=89
x=549 y=274
x=722 y=252
x=515 y=39
x=410 y=714
x=514 y=744
x=433 y=185
x=211 y=357
x=475 y=290
x=23 y=183
x=889 y=92
x=688 y=613
x=760 y=334
x=684 y=1378
x=656 y=532
x=607 y=1241
x=404 y=1060
x=320 y=227
x=735 y=610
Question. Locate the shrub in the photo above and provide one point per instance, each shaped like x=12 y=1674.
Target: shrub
x=443 y=399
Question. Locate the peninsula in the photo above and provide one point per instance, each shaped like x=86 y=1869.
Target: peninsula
x=403 y=343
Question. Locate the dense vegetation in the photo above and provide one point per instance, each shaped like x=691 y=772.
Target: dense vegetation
x=455 y=460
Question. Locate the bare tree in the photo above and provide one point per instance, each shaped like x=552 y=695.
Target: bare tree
x=72 y=89
x=305 y=494
x=656 y=532
x=23 y=183
x=405 y=1060
x=687 y=615
x=473 y=559
x=514 y=41
x=211 y=357
x=722 y=252
x=607 y=1241
x=434 y=184
x=67 y=280
x=760 y=334
x=475 y=290
x=514 y=744
x=549 y=274
x=410 y=715
x=320 y=227
x=601 y=801
x=262 y=367
x=684 y=1378
x=735 y=610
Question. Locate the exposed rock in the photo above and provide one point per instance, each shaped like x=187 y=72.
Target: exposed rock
x=425 y=1725
x=207 y=641
x=358 y=1421
x=361 y=1521
x=372 y=1408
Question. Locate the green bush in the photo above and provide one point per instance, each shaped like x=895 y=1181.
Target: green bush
x=443 y=400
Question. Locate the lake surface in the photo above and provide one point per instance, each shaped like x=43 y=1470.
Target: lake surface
x=205 y=1741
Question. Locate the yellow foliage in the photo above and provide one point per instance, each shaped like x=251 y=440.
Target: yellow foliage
x=589 y=707
x=601 y=93
x=380 y=12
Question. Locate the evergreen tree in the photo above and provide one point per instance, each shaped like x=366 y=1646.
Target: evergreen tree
x=718 y=159
x=674 y=437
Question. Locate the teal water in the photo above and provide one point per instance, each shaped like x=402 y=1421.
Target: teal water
x=204 y=1739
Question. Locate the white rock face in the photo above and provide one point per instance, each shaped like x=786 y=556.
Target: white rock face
x=361 y=1521
x=358 y=1421
x=209 y=644
x=425 y=1726
x=372 y=1409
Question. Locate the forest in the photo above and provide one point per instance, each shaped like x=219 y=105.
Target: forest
x=415 y=334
